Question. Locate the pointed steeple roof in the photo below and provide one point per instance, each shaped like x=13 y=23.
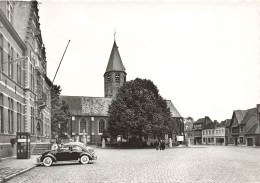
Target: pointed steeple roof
x=115 y=63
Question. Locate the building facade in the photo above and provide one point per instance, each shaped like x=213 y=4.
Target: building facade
x=197 y=129
x=24 y=87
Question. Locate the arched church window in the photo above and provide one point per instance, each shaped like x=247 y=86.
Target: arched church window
x=108 y=78
x=117 y=78
x=101 y=126
x=83 y=125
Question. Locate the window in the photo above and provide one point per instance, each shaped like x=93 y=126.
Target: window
x=241 y=129
x=203 y=132
x=10 y=58
x=76 y=148
x=32 y=121
x=108 y=78
x=32 y=77
x=10 y=11
x=19 y=117
x=19 y=72
x=10 y=115
x=101 y=126
x=222 y=131
x=210 y=132
x=83 y=125
x=204 y=140
x=117 y=78
x=1 y=51
x=1 y=113
x=206 y=132
x=234 y=130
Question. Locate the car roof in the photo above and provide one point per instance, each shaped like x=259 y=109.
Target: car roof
x=74 y=143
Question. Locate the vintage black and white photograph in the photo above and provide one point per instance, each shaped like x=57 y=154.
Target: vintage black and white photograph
x=121 y=91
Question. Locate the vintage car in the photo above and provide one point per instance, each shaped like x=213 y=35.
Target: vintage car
x=72 y=151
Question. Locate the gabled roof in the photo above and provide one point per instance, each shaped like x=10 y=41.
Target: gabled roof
x=250 y=113
x=211 y=125
x=255 y=129
x=228 y=121
x=173 y=109
x=200 y=120
x=88 y=106
x=115 y=63
x=240 y=114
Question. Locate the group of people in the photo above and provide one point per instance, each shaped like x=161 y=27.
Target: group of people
x=160 y=145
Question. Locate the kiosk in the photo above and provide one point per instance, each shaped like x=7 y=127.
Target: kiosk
x=23 y=145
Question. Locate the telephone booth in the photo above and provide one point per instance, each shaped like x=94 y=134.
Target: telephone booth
x=23 y=145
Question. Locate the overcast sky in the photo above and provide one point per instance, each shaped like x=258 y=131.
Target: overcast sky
x=202 y=55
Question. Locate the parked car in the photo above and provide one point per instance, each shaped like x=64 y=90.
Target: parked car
x=72 y=151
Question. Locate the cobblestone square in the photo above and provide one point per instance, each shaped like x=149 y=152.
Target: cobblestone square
x=205 y=164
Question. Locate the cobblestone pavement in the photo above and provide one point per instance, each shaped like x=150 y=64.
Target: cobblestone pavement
x=210 y=164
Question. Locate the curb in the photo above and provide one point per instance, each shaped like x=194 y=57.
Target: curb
x=18 y=173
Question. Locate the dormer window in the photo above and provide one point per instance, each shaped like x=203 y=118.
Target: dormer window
x=117 y=78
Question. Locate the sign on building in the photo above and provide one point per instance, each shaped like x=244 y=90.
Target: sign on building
x=180 y=138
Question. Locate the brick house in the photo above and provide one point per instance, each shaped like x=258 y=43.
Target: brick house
x=24 y=86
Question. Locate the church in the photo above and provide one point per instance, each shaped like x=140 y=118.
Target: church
x=90 y=114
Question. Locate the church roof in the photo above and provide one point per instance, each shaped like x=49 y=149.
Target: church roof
x=115 y=63
x=88 y=106
x=173 y=109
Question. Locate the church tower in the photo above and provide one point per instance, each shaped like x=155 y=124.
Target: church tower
x=115 y=74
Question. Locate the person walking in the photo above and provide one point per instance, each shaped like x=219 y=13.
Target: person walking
x=156 y=144
x=160 y=145
x=163 y=145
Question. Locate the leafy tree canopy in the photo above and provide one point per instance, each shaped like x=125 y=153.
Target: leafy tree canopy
x=60 y=113
x=138 y=109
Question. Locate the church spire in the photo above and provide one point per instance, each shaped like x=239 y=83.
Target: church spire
x=115 y=63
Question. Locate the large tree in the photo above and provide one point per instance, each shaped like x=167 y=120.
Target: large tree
x=138 y=109
x=60 y=113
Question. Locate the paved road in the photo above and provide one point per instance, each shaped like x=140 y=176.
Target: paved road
x=210 y=164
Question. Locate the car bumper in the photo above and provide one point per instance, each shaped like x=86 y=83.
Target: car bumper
x=38 y=160
x=94 y=158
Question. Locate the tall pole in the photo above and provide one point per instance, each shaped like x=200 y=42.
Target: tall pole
x=61 y=61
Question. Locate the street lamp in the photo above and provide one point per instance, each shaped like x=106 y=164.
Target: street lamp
x=17 y=59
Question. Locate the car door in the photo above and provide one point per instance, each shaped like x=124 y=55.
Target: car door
x=64 y=153
x=77 y=150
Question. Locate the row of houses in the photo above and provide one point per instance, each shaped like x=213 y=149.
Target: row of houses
x=242 y=129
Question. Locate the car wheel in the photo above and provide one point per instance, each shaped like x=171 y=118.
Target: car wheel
x=47 y=161
x=84 y=159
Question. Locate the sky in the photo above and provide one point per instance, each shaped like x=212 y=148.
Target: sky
x=202 y=55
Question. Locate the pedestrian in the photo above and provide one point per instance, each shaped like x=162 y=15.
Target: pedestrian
x=156 y=144
x=160 y=145
x=163 y=145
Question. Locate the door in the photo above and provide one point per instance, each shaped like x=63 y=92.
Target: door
x=249 y=141
x=77 y=150
x=64 y=154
